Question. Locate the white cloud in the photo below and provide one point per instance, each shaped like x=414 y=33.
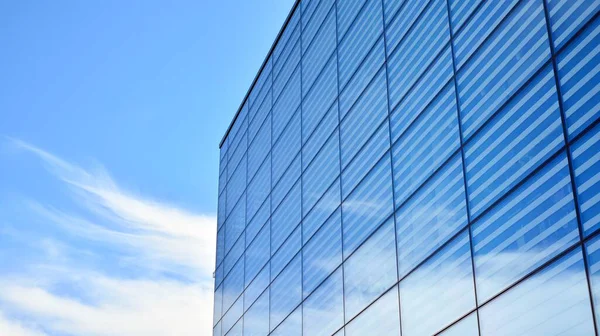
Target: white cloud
x=11 y=327
x=157 y=237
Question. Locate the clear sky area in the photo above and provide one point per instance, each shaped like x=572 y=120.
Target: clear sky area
x=111 y=113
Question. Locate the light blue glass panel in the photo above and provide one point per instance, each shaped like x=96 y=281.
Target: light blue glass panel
x=418 y=49
x=346 y=14
x=511 y=55
x=423 y=148
x=238 y=157
x=257 y=287
x=235 y=224
x=256 y=319
x=359 y=40
x=586 y=162
x=391 y=7
x=592 y=249
x=368 y=205
x=233 y=315
x=579 y=72
x=286 y=292
x=323 y=310
x=259 y=149
x=288 y=38
x=362 y=77
x=382 y=318
x=259 y=188
x=422 y=94
x=439 y=291
x=363 y=119
x=321 y=173
x=219 y=275
x=217 y=331
x=362 y=163
x=529 y=227
x=319 y=99
x=287 y=104
x=319 y=52
x=552 y=302
x=222 y=182
x=288 y=67
x=292 y=326
x=218 y=306
x=224 y=156
x=261 y=115
x=287 y=181
x=286 y=252
x=436 y=213
x=236 y=187
x=460 y=10
x=222 y=210
x=237 y=329
x=286 y=217
x=220 y=246
x=371 y=270
x=236 y=252
x=233 y=285
x=567 y=17
x=516 y=141
x=321 y=134
x=466 y=327
x=322 y=253
x=237 y=134
x=261 y=86
x=314 y=23
x=258 y=221
x=286 y=148
x=257 y=254
x=321 y=211
x=400 y=23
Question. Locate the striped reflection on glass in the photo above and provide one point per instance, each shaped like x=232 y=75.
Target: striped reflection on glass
x=323 y=310
x=381 y=318
x=586 y=161
x=465 y=327
x=286 y=292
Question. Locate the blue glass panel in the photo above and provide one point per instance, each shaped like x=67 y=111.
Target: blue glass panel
x=423 y=148
x=400 y=23
x=233 y=314
x=223 y=157
x=286 y=292
x=319 y=52
x=217 y=331
x=286 y=252
x=323 y=131
x=256 y=319
x=368 y=205
x=529 y=227
x=481 y=25
x=259 y=149
x=431 y=217
x=321 y=211
x=258 y=221
x=236 y=252
x=219 y=275
x=262 y=113
x=390 y=8
x=257 y=287
x=371 y=270
x=313 y=23
x=286 y=217
x=323 y=310
x=236 y=187
x=321 y=173
x=218 y=306
x=235 y=224
x=220 y=246
x=222 y=210
x=439 y=291
x=286 y=148
x=238 y=156
x=381 y=318
x=586 y=162
x=579 y=72
x=567 y=17
x=323 y=253
x=288 y=38
x=422 y=94
x=237 y=329
x=233 y=285
x=505 y=61
x=362 y=163
x=525 y=134
x=319 y=99
x=287 y=181
x=552 y=302
x=287 y=104
x=346 y=13
x=288 y=67
x=259 y=188
x=261 y=86
x=465 y=327
x=419 y=48
x=292 y=326
x=222 y=182
x=460 y=10
x=359 y=40
x=238 y=131
x=257 y=254
x=362 y=77
x=363 y=119
x=592 y=249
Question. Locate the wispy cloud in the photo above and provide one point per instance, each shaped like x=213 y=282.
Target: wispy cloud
x=153 y=236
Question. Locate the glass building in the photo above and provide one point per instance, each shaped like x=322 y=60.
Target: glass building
x=416 y=167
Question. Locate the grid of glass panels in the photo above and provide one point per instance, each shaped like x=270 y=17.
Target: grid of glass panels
x=416 y=168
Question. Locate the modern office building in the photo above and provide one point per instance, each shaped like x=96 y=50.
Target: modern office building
x=416 y=167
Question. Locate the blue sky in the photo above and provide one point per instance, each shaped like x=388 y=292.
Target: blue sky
x=110 y=117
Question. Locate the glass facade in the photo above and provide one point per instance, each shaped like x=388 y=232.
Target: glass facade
x=423 y=167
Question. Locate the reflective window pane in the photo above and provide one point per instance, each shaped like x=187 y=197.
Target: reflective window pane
x=586 y=162
x=256 y=319
x=286 y=292
x=467 y=326
x=323 y=310
x=381 y=318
